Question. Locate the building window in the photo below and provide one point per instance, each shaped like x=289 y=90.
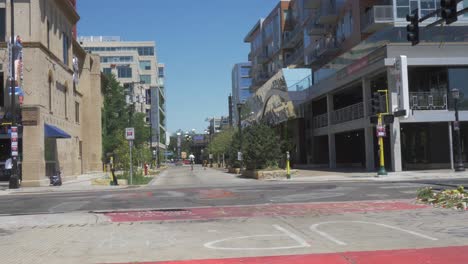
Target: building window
x=2 y=24
x=148 y=96
x=110 y=59
x=246 y=82
x=146 y=51
x=161 y=72
x=465 y=5
x=80 y=149
x=107 y=71
x=77 y=112
x=145 y=78
x=402 y=8
x=245 y=71
x=427 y=6
x=50 y=94
x=65 y=48
x=145 y=65
x=124 y=72
x=48 y=34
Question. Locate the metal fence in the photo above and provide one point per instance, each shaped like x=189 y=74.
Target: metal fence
x=352 y=112
x=320 y=121
x=428 y=100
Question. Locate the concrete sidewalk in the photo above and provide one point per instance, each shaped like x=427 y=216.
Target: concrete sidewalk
x=352 y=175
x=81 y=183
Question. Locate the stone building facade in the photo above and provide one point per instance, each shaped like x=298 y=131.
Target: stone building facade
x=62 y=93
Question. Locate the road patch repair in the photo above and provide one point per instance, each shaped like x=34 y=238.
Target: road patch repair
x=442 y=255
x=299 y=209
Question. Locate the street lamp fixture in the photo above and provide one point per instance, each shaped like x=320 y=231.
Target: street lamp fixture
x=459 y=166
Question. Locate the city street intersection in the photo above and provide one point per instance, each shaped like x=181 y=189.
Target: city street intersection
x=207 y=216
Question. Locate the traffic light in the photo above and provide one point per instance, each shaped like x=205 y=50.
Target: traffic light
x=378 y=104
x=412 y=29
x=449 y=10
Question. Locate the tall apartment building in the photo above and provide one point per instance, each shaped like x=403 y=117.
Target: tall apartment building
x=59 y=90
x=134 y=64
x=355 y=48
x=241 y=83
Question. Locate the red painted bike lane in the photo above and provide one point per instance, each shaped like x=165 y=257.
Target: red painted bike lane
x=203 y=213
x=442 y=255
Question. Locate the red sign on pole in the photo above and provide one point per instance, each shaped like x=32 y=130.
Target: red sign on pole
x=381 y=132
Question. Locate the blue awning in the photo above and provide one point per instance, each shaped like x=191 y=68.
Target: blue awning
x=54 y=132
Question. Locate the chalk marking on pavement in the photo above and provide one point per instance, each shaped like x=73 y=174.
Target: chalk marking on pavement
x=301 y=243
x=314 y=228
x=297 y=238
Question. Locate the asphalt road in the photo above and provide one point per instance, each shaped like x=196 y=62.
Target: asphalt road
x=207 y=216
x=180 y=187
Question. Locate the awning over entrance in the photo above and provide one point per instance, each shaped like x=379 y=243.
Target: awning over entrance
x=54 y=132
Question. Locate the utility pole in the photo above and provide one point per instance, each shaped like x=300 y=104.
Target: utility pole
x=14 y=182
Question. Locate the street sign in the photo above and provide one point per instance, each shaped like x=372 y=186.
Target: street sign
x=14 y=141
x=381 y=131
x=129 y=133
x=239 y=156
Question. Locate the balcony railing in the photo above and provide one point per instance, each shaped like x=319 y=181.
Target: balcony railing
x=291 y=38
x=294 y=58
x=349 y=113
x=326 y=45
x=428 y=100
x=320 y=121
x=376 y=18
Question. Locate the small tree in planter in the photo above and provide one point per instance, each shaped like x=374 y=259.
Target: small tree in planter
x=262 y=147
x=232 y=151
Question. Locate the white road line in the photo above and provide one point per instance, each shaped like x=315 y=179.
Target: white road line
x=341 y=243
x=325 y=235
x=301 y=242
x=290 y=234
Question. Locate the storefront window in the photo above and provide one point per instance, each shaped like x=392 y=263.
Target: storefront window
x=457 y=80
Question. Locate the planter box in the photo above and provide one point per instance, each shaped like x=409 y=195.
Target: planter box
x=266 y=174
x=122 y=182
x=234 y=170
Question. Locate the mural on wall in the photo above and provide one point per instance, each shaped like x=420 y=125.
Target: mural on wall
x=270 y=103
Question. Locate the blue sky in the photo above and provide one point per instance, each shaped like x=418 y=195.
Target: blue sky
x=199 y=41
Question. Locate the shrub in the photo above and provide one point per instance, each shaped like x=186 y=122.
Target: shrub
x=262 y=147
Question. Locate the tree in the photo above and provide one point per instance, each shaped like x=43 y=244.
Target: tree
x=221 y=142
x=142 y=130
x=232 y=151
x=262 y=147
x=114 y=114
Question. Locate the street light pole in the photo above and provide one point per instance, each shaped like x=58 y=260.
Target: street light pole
x=459 y=166
x=239 y=124
x=178 y=145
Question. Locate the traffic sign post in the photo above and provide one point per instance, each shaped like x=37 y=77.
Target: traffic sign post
x=130 y=136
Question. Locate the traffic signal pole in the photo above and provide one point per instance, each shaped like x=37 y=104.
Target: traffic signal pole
x=382 y=170
x=381 y=109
